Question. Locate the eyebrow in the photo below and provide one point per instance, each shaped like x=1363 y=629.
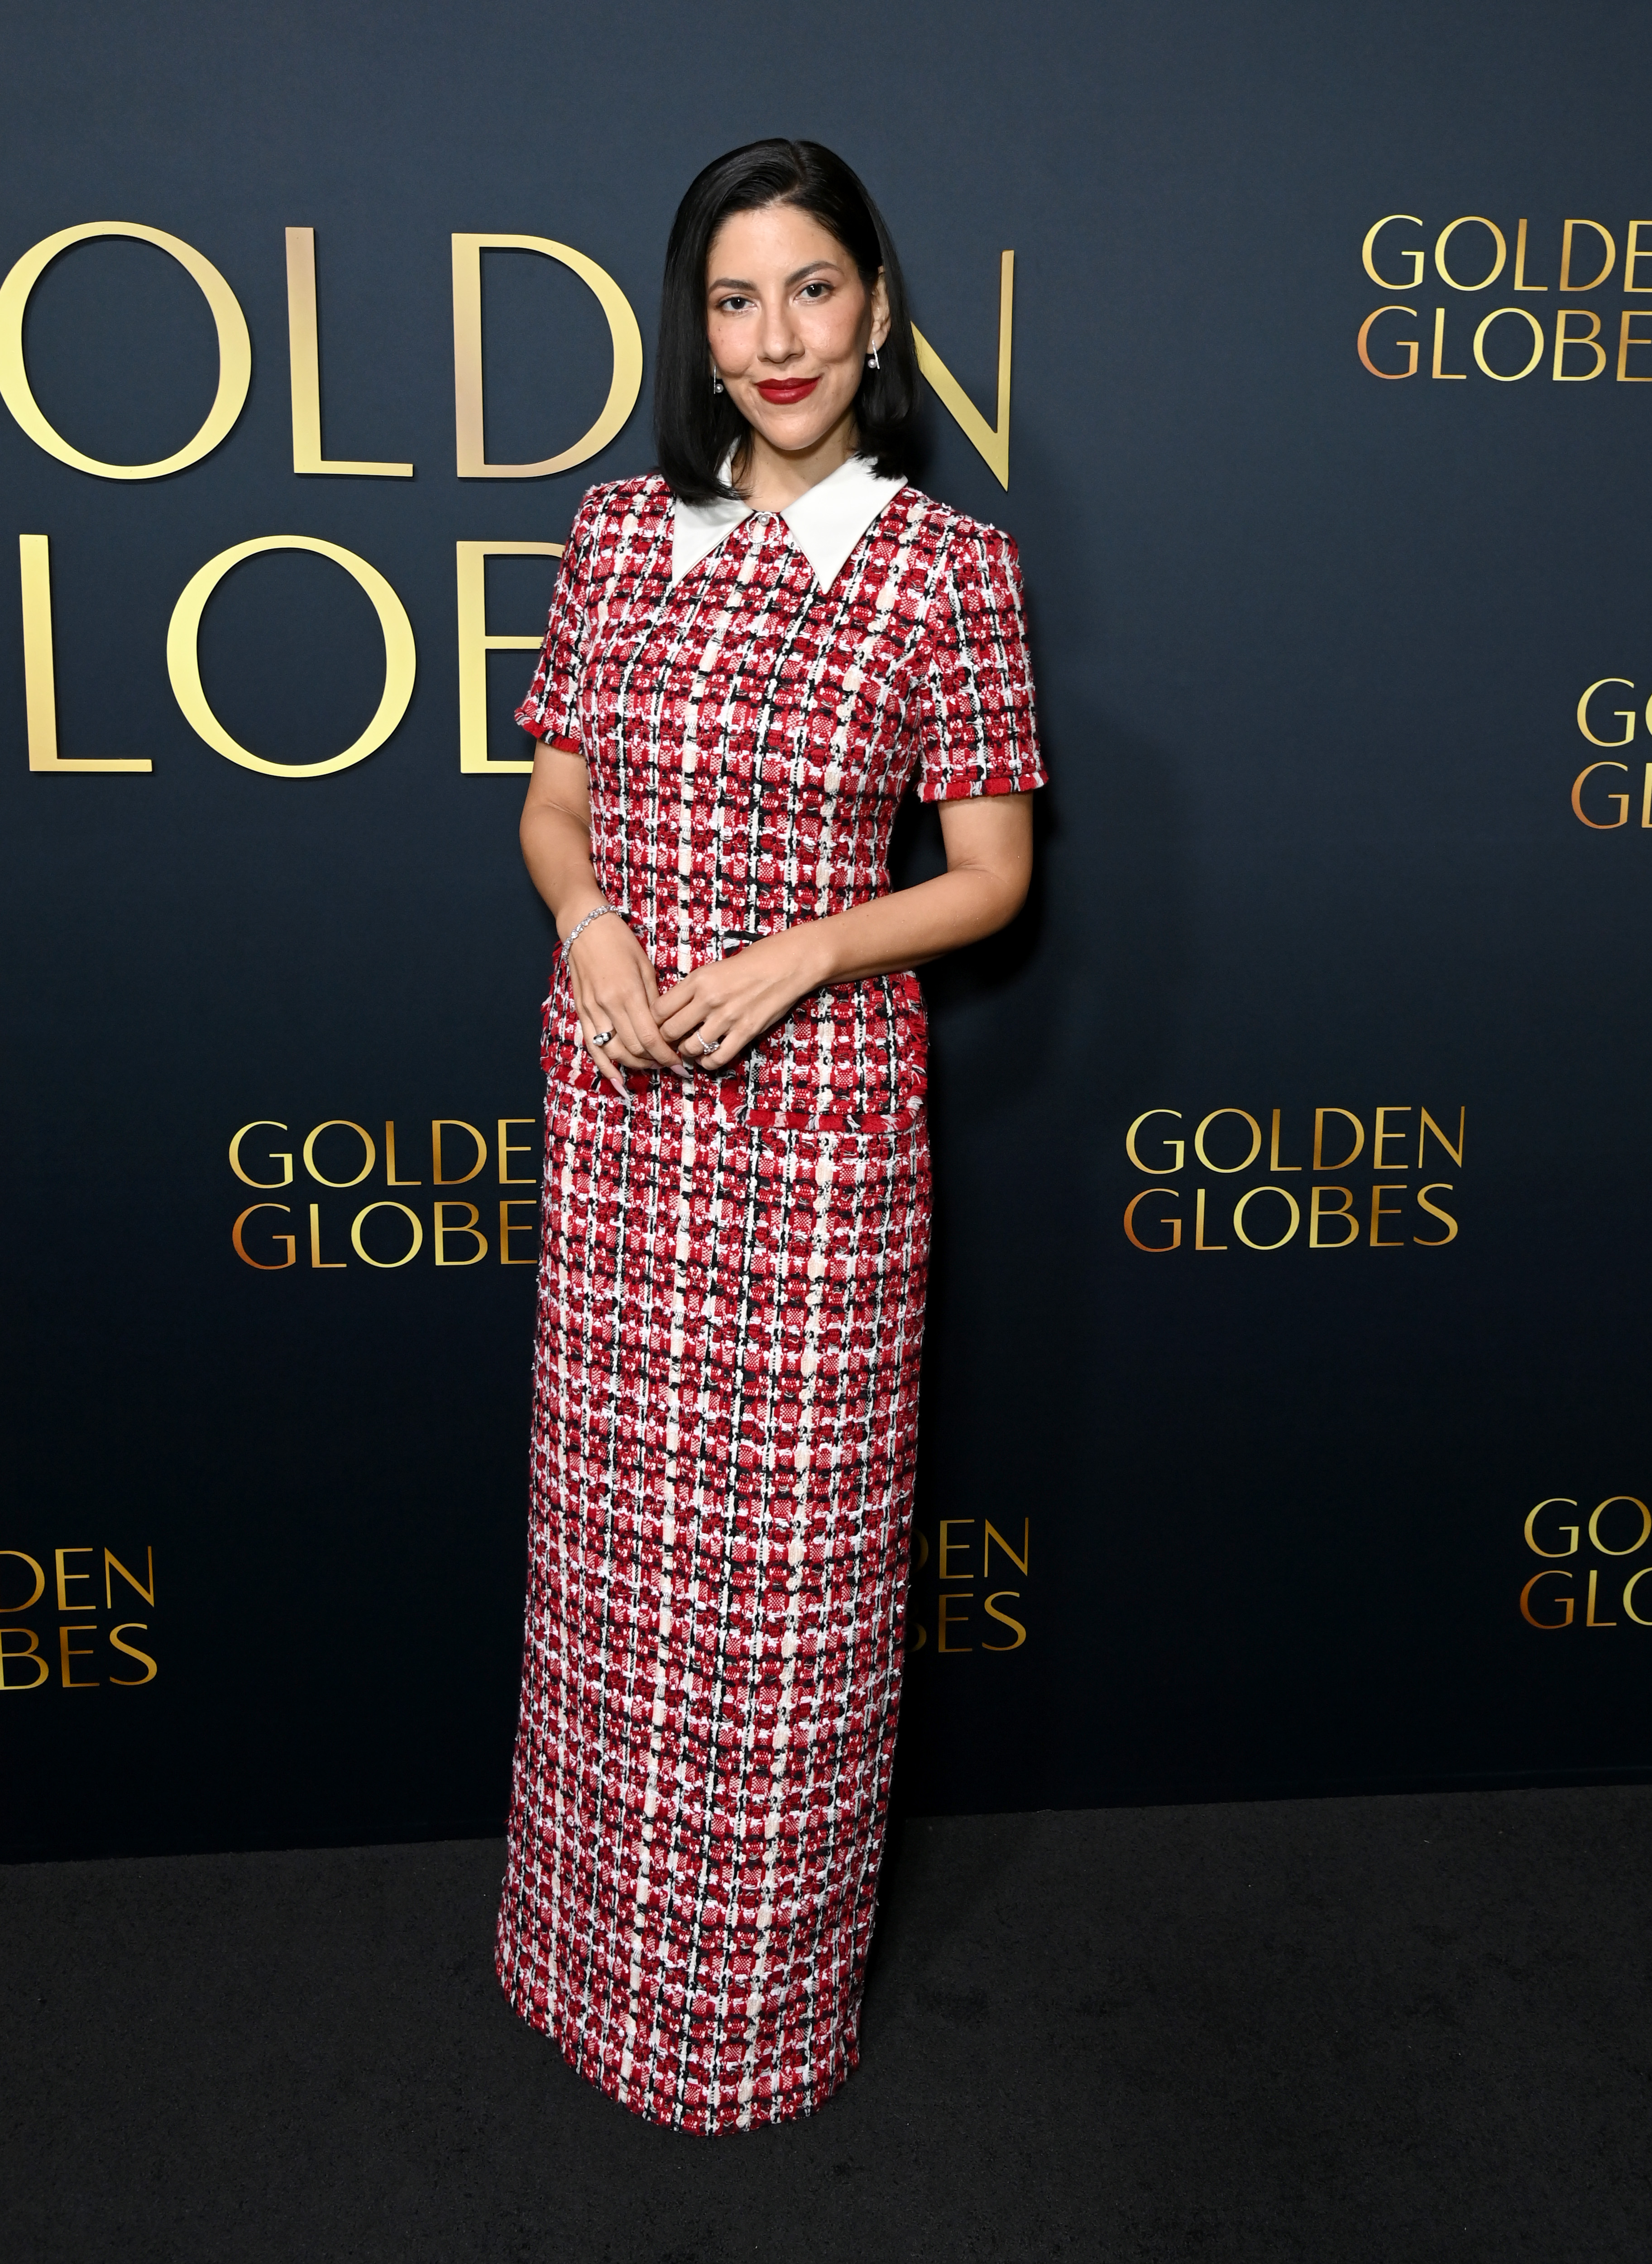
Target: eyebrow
x=741 y=283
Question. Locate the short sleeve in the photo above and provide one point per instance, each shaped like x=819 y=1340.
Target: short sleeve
x=979 y=732
x=551 y=710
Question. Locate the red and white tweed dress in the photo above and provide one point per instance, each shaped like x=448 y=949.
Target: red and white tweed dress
x=731 y=1303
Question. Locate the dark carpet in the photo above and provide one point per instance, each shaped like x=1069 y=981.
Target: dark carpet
x=1390 y=2030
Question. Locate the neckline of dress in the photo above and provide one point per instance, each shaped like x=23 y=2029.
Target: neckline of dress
x=826 y=521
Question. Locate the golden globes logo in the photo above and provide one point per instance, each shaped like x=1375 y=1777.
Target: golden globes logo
x=1557 y=1529
x=970 y=1612
x=1512 y=341
x=383 y=1232
x=92 y=1640
x=1377 y=1208
x=1603 y=725
x=476 y=640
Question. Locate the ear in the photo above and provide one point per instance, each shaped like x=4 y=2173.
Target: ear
x=879 y=311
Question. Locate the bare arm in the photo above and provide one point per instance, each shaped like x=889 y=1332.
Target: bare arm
x=722 y=1007
x=614 y=984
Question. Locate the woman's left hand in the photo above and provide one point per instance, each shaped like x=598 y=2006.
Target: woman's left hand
x=714 y=1014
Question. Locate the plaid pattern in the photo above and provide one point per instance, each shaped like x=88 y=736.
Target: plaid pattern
x=732 y=1305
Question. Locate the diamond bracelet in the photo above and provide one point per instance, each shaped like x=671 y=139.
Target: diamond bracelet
x=579 y=926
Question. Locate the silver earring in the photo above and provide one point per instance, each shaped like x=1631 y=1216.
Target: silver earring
x=872 y=359
x=716 y=382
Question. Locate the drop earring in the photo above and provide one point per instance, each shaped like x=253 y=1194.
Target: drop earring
x=716 y=381
x=872 y=359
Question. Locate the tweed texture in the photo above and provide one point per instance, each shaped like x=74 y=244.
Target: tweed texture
x=731 y=1304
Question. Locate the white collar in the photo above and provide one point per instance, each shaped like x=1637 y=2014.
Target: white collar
x=826 y=521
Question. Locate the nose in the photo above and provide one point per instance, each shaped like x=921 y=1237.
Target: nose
x=778 y=341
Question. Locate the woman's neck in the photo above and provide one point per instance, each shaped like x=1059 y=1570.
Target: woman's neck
x=770 y=478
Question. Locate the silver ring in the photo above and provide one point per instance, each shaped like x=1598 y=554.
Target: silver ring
x=709 y=1046
x=602 y=1038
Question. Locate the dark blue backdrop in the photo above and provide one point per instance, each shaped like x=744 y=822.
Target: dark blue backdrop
x=1309 y=646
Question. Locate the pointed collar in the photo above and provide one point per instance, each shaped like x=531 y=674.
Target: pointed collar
x=825 y=522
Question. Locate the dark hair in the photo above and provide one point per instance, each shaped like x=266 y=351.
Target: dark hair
x=694 y=428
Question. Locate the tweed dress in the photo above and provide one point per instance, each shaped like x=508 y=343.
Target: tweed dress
x=731 y=1303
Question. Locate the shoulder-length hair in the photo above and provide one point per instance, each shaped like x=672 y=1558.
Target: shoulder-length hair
x=695 y=428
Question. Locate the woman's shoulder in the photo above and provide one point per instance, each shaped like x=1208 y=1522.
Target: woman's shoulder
x=605 y=508
x=956 y=539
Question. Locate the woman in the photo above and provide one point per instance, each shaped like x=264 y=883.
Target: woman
x=750 y=653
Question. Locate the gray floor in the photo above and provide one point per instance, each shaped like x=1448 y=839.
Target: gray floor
x=1395 y=2030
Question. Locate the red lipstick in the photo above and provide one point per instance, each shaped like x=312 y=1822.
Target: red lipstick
x=783 y=389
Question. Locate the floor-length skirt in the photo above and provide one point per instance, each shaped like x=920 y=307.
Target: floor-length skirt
x=726 y=1399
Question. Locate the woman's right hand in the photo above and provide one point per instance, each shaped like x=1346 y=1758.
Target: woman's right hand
x=614 y=990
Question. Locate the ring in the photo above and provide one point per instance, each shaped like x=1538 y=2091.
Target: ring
x=708 y=1047
x=602 y=1037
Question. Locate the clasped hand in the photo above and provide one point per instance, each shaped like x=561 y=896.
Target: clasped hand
x=705 y=1021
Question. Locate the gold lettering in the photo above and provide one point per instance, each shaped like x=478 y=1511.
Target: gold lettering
x=1590 y=338
x=1623 y=715
x=132 y=1681
x=387 y=1264
x=947 y=1546
x=1199 y=1242
x=1380 y=1210
x=235 y=350
x=1628 y=1591
x=1632 y=253
x=1594 y=281
x=1005 y=1620
x=30 y=1651
x=1320 y=1114
x=509 y=1148
x=64 y=1577
x=1320 y=1214
x=468 y=1225
x=477 y=641
x=945 y=1623
x=992 y=1534
x=1435 y=1241
x=345 y=1124
x=1274 y=1164
x=40 y=1580
x=304 y=368
x=1514 y=376
x=1470 y=220
x=990 y=442
x=260 y=1123
x=1554 y=1501
x=113 y=1563
x=264 y=1265
x=1174 y=1225
x=40 y=670
x=390 y=1178
x=626 y=383
x=1440 y=370
x=1520 y=283
x=1378 y=1161
x=183 y=656
x=1256 y=1141
x=1363 y=349
x=1589 y=1611
x=1428 y=1125
x=460 y=1178
x=1368 y=254
x=508 y=1226
x=319 y=1264
x=1640 y=1538
x=1158 y=1170
x=1249 y=1197
x=1626 y=339
x=66 y=1651
x=1530 y=1616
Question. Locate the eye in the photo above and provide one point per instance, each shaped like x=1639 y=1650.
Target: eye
x=815 y=290
x=734 y=304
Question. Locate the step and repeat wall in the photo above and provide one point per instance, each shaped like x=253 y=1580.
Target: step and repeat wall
x=1308 y=355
